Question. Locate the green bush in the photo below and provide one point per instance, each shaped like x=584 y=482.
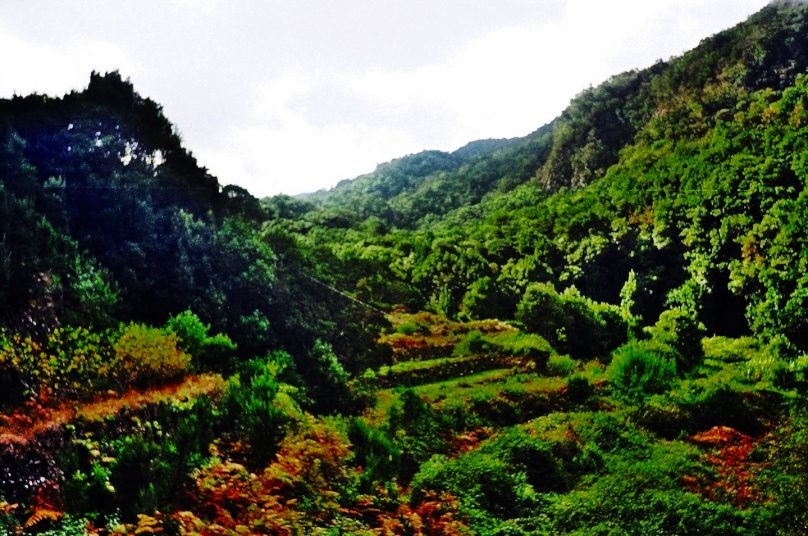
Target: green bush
x=374 y=452
x=472 y=342
x=327 y=380
x=527 y=345
x=728 y=350
x=561 y=365
x=579 y=388
x=637 y=370
x=680 y=330
x=542 y=311
x=697 y=405
x=486 y=486
x=139 y=466
x=571 y=322
x=419 y=431
x=216 y=352
x=72 y=362
x=646 y=496
x=257 y=411
x=485 y=299
x=407 y=328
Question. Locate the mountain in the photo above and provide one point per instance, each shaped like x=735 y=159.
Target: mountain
x=598 y=328
x=611 y=187
x=766 y=51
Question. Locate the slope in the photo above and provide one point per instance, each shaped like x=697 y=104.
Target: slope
x=766 y=51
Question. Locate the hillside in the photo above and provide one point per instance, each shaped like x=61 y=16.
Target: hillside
x=598 y=328
x=766 y=51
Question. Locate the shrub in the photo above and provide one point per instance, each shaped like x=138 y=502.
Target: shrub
x=533 y=347
x=142 y=469
x=420 y=431
x=374 y=452
x=327 y=380
x=253 y=334
x=561 y=365
x=78 y=356
x=485 y=299
x=190 y=330
x=636 y=371
x=143 y=355
x=530 y=346
x=480 y=481
x=71 y=362
x=730 y=350
x=76 y=362
x=541 y=311
x=254 y=405
x=579 y=388
x=680 y=330
x=472 y=342
x=697 y=405
x=295 y=494
x=211 y=352
x=571 y=322
x=407 y=328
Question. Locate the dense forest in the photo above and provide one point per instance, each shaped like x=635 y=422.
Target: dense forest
x=598 y=328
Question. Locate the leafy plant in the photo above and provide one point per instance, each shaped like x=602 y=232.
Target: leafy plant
x=144 y=355
x=637 y=370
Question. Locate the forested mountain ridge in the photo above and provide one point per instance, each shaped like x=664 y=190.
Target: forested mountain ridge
x=638 y=212
x=766 y=51
x=599 y=328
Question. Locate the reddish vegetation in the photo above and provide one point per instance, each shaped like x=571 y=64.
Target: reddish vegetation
x=436 y=335
x=471 y=440
x=436 y=515
x=232 y=500
x=27 y=422
x=730 y=453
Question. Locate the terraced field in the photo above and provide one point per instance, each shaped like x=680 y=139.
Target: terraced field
x=475 y=412
x=433 y=361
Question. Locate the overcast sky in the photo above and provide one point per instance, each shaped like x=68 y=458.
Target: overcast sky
x=294 y=95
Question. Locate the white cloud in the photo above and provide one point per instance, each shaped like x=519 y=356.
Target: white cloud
x=505 y=83
x=222 y=71
x=284 y=151
x=34 y=68
x=514 y=79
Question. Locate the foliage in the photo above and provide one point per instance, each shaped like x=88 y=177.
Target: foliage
x=295 y=493
x=145 y=355
x=72 y=362
x=637 y=370
x=677 y=192
x=561 y=365
x=418 y=432
x=210 y=352
x=375 y=453
x=579 y=388
x=142 y=469
x=260 y=410
x=571 y=322
x=682 y=332
x=532 y=347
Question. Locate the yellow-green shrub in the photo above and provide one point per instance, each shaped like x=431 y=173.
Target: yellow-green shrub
x=143 y=355
x=71 y=362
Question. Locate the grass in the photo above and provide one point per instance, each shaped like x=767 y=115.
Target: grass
x=413 y=365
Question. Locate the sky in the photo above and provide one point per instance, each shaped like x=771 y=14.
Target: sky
x=291 y=96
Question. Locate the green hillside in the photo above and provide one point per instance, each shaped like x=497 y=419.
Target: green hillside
x=598 y=328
